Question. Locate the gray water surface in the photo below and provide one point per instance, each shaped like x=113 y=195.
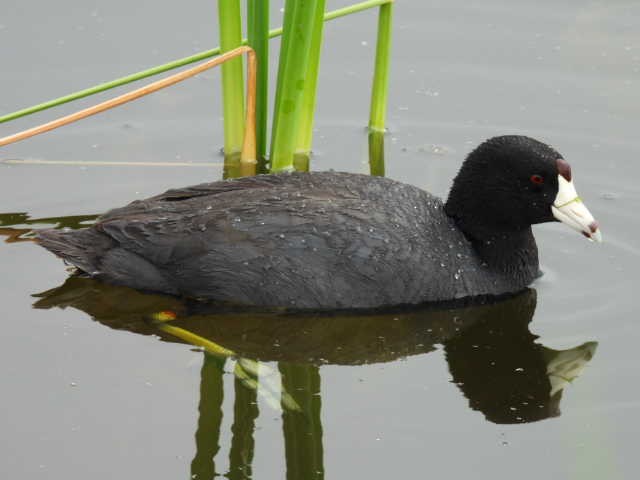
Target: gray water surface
x=95 y=390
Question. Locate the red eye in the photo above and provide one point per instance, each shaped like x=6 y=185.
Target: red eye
x=537 y=179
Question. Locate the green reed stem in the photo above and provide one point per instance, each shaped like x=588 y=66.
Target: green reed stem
x=376 y=153
x=355 y=8
x=287 y=21
x=305 y=132
x=294 y=78
x=258 y=33
x=102 y=87
x=230 y=22
x=381 y=75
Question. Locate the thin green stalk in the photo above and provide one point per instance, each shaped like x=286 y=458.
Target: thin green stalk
x=276 y=32
x=376 y=153
x=294 y=77
x=287 y=21
x=381 y=75
x=305 y=132
x=355 y=8
x=230 y=22
x=258 y=33
x=102 y=87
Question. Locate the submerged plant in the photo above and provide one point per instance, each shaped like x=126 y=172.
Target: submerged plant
x=253 y=374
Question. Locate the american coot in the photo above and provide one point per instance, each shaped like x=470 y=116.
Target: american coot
x=338 y=240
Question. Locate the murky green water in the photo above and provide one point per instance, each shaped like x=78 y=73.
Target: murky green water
x=94 y=387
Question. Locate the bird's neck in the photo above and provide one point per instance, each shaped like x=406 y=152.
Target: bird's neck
x=510 y=250
x=514 y=253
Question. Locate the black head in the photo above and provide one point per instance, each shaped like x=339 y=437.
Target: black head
x=506 y=184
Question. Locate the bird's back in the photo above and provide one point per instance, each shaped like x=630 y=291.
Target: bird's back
x=320 y=240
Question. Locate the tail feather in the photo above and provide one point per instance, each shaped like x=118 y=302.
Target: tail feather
x=81 y=248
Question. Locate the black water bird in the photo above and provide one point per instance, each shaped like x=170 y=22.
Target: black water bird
x=328 y=240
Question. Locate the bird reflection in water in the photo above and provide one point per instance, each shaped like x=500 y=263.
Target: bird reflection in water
x=492 y=356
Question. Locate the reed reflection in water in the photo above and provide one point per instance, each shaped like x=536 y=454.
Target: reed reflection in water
x=493 y=358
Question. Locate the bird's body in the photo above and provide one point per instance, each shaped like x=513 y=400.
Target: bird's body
x=303 y=240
